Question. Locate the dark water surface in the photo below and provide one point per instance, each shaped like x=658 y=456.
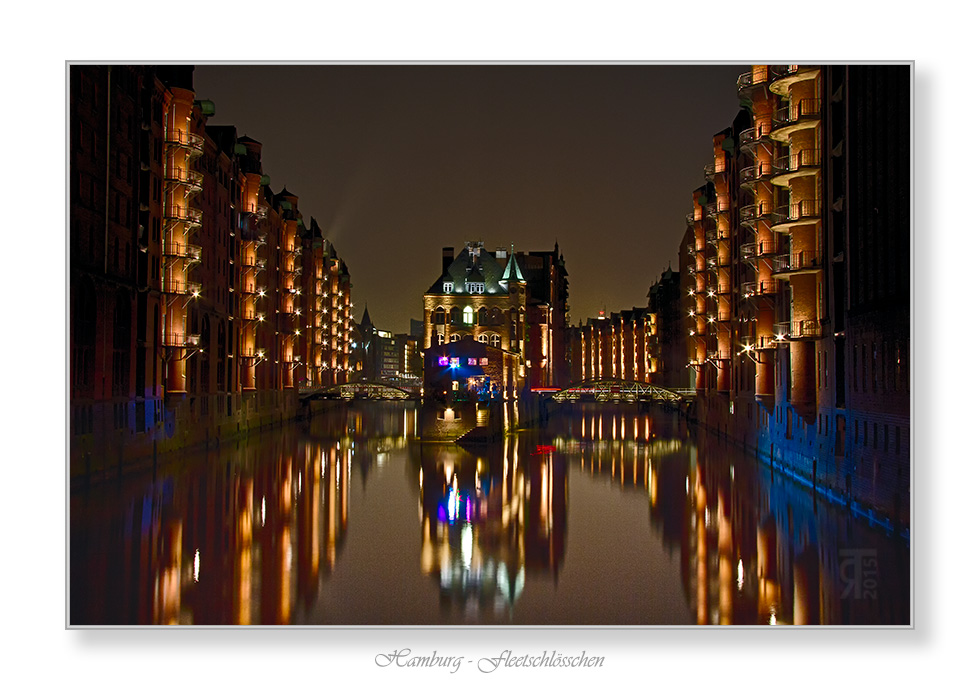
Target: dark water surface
x=605 y=517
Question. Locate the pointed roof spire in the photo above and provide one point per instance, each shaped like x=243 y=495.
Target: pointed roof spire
x=366 y=319
x=512 y=271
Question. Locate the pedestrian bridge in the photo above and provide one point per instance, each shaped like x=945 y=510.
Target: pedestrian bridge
x=621 y=391
x=357 y=390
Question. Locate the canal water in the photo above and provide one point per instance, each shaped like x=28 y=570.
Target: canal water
x=605 y=516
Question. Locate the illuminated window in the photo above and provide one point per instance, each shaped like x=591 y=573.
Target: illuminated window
x=484 y=361
x=447 y=287
x=454 y=337
x=471 y=361
x=468 y=315
x=455 y=386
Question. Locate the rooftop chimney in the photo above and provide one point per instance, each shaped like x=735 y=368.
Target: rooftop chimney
x=448 y=256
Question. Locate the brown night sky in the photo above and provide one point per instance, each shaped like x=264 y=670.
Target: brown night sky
x=397 y=161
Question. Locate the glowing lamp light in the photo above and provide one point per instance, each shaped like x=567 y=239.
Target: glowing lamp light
x=443 y=361
x=453 y=362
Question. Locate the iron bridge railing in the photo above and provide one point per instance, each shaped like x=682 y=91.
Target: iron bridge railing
x=604 y=390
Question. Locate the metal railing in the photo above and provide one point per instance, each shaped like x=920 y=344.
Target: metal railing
x=807 y=107
x=760 y=287
x=186 y=214
x=181 y=340
x=782 y=71
x=183 y=250
x=759 y=249
x=803 y=209
x=754 y=134
x=752 y=212
x=185 y=139
x=754 y=173
x=185 y=176
x=795 y=261
x=809 y=328
x=747 y=80
x=805 y=158
x=181 y=287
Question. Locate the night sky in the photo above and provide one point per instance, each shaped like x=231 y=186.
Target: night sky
x=397 y=161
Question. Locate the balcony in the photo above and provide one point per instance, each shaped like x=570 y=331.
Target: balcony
x=760 y=288
x=805 y=162
x=182 y=287
x=259 y=211
x=187 y=215
x=712 y=169
x=256 y=263
x=253 y=290
x=797 y=261
x=191 y=179
x=760 y=342
x=181 y=340
x=755 y=212
x=748 y=138
x=801 y=212
x=185 y=139
x=805 y=114
x=760 y=249
x=748 y=176
x=806 y=330
x=753 y=79
x=783 y=76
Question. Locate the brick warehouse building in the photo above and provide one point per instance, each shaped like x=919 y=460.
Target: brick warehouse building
x=192 y=313
x=796 y=271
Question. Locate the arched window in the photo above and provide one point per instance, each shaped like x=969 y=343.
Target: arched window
x=454 y=338
x=483 y=338
x=468 y=315
x=455 y=316
x=483 y=316
x=495 y=340
x=439 y=316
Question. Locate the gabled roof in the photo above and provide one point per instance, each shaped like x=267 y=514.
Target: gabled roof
x=461 y=270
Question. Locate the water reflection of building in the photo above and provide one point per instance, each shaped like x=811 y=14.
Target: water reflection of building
x=490 y=519
x=759 y=550
x=755 y=548
x=247 y=539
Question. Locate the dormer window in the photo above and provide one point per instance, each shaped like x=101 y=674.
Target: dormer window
x=475 y=287
x=447 y=287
